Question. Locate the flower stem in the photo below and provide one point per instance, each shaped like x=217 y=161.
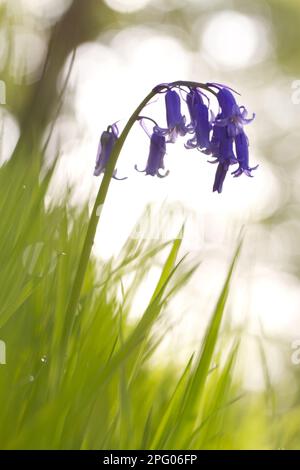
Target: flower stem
x=94 y=219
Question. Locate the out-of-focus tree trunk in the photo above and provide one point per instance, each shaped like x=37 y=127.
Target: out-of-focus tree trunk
x=82 y=22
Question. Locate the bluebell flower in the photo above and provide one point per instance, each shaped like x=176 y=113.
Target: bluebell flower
x=156 y=156
x=107 y=141
x=199 y=113
x=242 y=153
x=175 y=120
x=234 y=117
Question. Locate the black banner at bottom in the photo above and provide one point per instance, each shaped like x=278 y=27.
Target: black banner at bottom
x=138 y=458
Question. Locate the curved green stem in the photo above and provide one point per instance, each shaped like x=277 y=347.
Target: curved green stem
x=95 y=216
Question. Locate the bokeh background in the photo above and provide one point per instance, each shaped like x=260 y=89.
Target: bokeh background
x=70 y=68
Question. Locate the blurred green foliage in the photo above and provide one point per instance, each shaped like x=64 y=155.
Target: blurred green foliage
x=104 y=392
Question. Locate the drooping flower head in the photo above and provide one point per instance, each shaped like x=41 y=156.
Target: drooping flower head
x=222 y=137
x=156 y=156
x=106 y=144
x=199 y=114
x=175 y=120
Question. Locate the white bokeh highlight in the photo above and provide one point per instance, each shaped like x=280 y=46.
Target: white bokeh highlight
x=235 y=40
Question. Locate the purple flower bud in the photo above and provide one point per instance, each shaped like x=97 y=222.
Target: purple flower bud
x=242 y=153
x=175 y=120
x=222 y=146
x=200 y=121
x=173 y=109
x=107 y=141
x=226 y=101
